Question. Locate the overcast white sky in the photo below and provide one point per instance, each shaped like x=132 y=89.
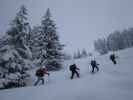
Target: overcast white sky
x=79 y=22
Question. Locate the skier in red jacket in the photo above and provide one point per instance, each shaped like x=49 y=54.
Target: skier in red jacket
x=40 y=73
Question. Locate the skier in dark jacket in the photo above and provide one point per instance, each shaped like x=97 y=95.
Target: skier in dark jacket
x=94 y=65
x=113 y=58
x=73 y=69
x=40 y=73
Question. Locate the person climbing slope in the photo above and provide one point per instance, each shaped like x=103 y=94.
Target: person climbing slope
x=94 y=65
x=113 y=58
x=40 y=73
x=73 y=68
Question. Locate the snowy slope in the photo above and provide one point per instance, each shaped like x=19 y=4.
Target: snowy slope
x=111 y=83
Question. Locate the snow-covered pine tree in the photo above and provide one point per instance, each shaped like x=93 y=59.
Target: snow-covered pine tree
x=18 y=33
x=75 y=55
x=115 y=41
x=53 y=47
x=100 y=45
x=38 y=45
x=84 y=53
x=79 y=54
x=67 y=56
x=17 y=54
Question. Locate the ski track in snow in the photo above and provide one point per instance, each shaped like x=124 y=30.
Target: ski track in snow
x=113 y=82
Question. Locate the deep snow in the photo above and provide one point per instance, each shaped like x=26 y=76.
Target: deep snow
x=113 y=82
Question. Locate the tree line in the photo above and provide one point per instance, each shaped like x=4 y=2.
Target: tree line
x=117 y=40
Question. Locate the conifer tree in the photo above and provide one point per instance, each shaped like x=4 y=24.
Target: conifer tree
x=16 y=50
x=84 y=53
x=53 y=54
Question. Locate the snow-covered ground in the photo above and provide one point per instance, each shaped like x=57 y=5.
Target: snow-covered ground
x=113 y=82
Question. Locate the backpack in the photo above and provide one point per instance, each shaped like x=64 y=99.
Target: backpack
x=72 y=67
x=39 y=72
x=112 y=56
x=93 y=63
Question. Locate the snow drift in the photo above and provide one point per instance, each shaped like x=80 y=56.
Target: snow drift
x=113 y=82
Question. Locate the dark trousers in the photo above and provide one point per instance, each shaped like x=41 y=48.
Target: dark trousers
x=114 y=61
x=93 y=68
x=73 y=73
x=38 y=80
